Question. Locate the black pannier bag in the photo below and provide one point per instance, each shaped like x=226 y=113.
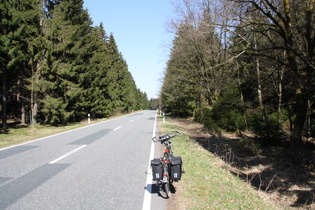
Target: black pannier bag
x=176 y=168
x=156 y=169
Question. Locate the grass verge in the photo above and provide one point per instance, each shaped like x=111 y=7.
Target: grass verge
x=16 y=134
x=207 y=184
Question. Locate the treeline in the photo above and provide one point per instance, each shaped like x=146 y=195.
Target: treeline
x=55 y=67
x=245 y=65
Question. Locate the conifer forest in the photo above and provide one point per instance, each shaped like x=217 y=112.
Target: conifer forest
x=234 y=65
x=56 y=67
x=246 y=65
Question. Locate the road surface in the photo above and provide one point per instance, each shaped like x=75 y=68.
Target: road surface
x=101 y=166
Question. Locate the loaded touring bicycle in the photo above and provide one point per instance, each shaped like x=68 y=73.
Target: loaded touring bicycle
x=167 y=169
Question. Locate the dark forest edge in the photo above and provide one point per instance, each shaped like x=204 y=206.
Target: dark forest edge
x=56 y=68
x=246 y=66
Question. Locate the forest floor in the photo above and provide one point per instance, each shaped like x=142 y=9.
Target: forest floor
x=271 y=172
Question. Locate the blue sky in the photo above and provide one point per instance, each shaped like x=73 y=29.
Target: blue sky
x=139 y=28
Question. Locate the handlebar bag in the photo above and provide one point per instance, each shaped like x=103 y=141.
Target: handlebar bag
x=156 y=166
x=176 y=168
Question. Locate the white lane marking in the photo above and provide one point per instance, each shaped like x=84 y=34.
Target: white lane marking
x=131 y=121
x=58 y=134
x=66 y=155
x=148 y=191
x=116 y=128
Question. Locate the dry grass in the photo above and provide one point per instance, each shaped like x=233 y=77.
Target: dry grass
x=207 y=183
x=17 y=133
x=275 y=179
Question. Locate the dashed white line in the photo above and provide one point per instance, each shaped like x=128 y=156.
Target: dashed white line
x=58 y=134
x=66 y=155
x=131 y=121
x=117 y=128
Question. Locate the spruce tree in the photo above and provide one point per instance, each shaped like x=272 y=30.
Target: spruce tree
x=114 y=76
x=5 y=18
x=96 y=90
x=19 y=24
x=69 y=37
x=63 y=67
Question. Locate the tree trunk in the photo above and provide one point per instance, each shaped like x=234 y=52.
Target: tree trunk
x=4 y=99
x=35 y=80
x=259 y=88
x=300 y=118
x=301 y=97
x=34 y=111
x=242 y=98
x=23 y=117
x=280 y=94
x=20 y=98
x=34 y=103
x=308 y=119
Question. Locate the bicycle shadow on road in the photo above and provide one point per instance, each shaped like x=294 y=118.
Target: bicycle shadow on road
x=155 y=189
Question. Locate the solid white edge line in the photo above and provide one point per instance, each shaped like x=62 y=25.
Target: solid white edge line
x=66 y=155
x=148 y=190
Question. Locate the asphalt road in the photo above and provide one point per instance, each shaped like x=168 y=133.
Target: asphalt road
x=96 y=167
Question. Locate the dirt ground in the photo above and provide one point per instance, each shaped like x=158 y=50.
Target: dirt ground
x=271 y=172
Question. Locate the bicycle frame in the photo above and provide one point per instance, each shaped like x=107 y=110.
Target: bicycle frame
x=165 y=166
x=165 y=160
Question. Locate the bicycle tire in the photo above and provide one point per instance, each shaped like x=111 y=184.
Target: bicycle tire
x=167 y=189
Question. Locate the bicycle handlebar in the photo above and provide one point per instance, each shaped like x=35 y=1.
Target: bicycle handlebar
x=165 y=137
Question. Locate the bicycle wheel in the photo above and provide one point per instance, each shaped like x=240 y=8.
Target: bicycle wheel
x=167 y=189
